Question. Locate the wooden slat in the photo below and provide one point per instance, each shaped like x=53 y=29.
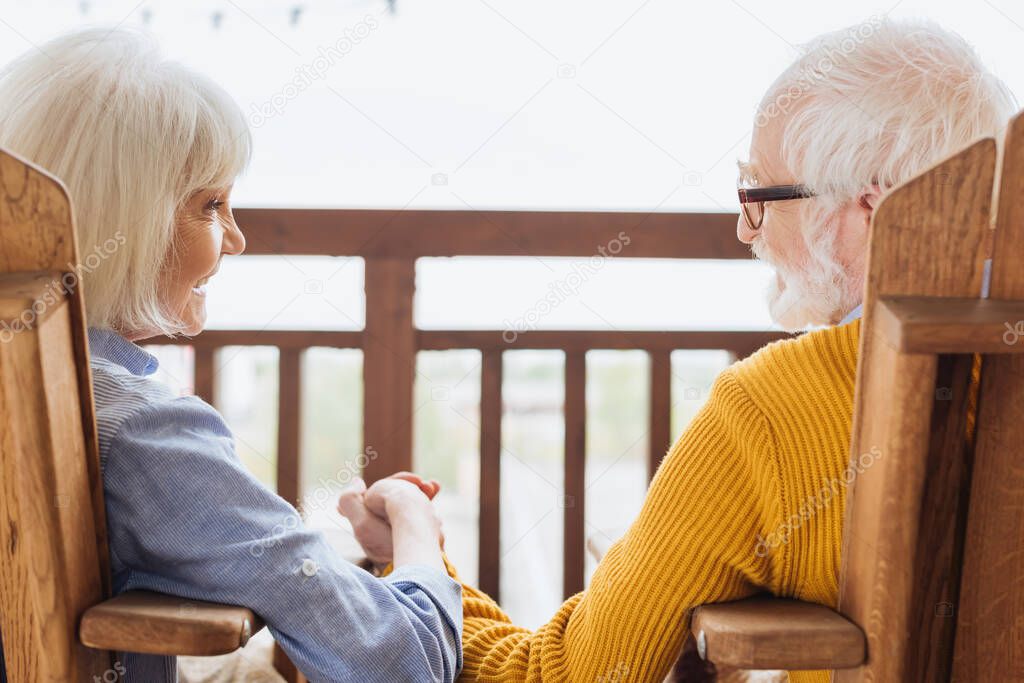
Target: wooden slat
x=899 y=556
x=23 y=302
x=289 y=425
x=37 y=233
x=389 y=365
x=951 y=325
x=408 y=234
x=574 y=503
x=55 y=559
x=153 y=623
x=990 y=632
x=740 y=342
x=773 y=633
x=490 y=473
x=659 y=431
x=49 y=560
x=204 y=373
x=282 y=339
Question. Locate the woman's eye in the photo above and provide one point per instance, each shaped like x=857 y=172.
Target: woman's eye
x=214 y=205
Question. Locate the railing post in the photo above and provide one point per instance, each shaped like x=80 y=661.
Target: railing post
x=573 y=502
x=659 y=431
x=389 y=365
x=490 y=473
x=289 y=424
x=204 y=378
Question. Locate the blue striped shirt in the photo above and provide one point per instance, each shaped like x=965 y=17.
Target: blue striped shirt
x=186 y=518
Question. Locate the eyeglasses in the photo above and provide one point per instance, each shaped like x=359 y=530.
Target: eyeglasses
x=752 y=200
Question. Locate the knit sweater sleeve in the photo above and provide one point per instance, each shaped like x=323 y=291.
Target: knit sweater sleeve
x=699 y=538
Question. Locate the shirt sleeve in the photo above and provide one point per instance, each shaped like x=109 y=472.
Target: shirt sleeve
x=186 y=518
x=699 y=538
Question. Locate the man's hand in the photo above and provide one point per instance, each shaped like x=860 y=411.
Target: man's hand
x=372 y=532
x=370 y=523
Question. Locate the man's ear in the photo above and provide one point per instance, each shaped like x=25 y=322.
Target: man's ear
x=869 y=198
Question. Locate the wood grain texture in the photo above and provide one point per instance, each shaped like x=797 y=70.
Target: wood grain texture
x=37 y=233
x=990 y=629
x=574 y=500
x=947 y=325
x=773 y=633
x=27 y=299
x=53 y=536
x=489 y=562
x=50 y=569
x=141 y=621
x=900 y=552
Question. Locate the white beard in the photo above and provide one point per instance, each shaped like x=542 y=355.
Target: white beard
x=812 y=295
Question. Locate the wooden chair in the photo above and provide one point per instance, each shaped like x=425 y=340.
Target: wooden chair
x=57 y=620
x=932 y=586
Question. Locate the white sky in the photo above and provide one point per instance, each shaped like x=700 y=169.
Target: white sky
x=518 y=104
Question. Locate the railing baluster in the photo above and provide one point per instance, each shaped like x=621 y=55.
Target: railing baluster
x=574 y=503
x=389 y=365
x=289 y=423
x=203 y=380
x=659 y=432
x=289 y=444
x=490 y=474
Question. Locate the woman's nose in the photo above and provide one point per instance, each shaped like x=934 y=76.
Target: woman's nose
x=744 y=233
x=234 y=240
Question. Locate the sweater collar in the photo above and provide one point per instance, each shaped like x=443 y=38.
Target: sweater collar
x=109 y=345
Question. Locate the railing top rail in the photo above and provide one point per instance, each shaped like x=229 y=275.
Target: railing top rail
x=740 y=342
x=398 y=233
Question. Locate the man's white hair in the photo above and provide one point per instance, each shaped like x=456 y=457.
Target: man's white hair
x=133 y=136
x=873 y=104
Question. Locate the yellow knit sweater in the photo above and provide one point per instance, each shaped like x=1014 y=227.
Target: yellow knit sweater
x=749 y=499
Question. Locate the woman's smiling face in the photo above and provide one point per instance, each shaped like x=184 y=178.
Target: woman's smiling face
x=204 y=232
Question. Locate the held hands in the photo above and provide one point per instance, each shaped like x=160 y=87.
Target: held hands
x=394 y=519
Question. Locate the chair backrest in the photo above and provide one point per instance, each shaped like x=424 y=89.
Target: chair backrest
x=935 y=514
x=54 y=561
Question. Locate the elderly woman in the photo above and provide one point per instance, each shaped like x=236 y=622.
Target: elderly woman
x=863 y=110
x=149 y=151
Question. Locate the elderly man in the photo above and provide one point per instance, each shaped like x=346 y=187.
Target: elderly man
x=861 y=111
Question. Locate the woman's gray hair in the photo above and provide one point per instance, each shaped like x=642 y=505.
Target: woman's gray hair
x=133 y=136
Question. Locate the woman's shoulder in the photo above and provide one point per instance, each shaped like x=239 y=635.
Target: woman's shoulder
x=121 y=396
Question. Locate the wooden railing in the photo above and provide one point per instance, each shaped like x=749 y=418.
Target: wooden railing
x=390 y=242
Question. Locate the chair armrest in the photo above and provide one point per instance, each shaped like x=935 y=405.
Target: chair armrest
x=775 y=633
x=140 y=621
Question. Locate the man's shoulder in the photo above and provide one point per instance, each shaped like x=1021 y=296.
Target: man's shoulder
x=818 y=363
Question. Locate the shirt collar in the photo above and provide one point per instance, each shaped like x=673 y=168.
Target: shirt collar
x=111 y=346
x=986 y=279
x=853 y=315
